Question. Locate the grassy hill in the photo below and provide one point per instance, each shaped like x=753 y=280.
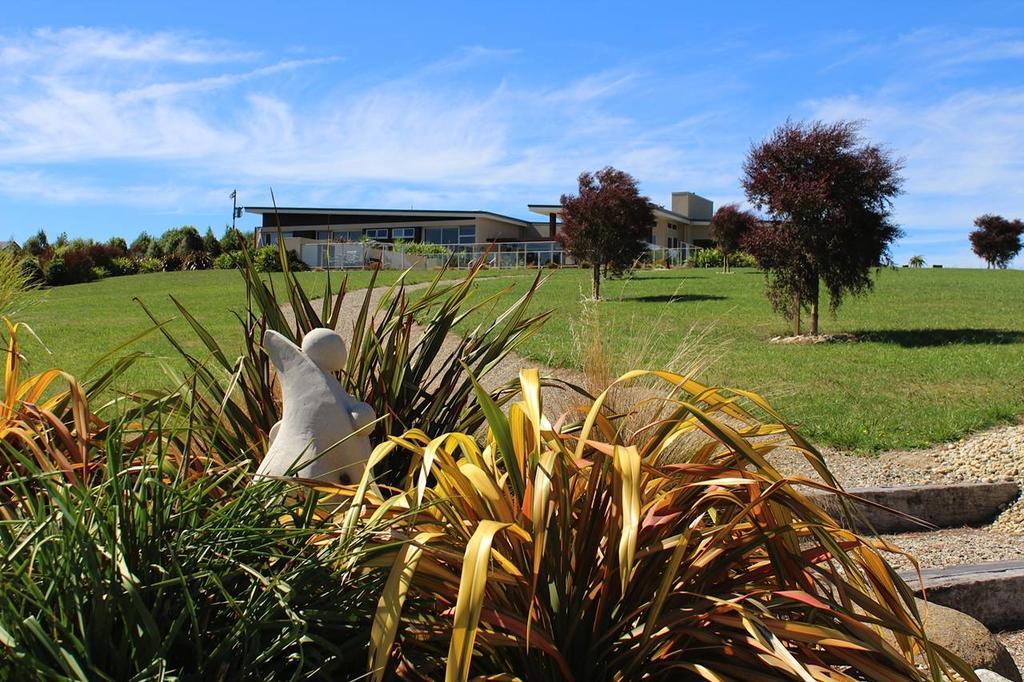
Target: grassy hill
x=941 y=352
x=82 y=322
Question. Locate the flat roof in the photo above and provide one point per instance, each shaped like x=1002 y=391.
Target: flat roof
x=406 y=213
x=545 y=209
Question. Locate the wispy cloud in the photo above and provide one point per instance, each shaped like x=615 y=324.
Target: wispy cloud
x=78 y=49
x=416 y=128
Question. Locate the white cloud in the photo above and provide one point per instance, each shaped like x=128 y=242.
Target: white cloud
x=415 y=129
x=78 y=49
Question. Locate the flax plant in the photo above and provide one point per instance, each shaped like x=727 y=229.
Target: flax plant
x=400 y=358
x=567 y=551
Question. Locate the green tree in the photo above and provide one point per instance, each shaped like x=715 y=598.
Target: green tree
x=37 y=245
x=211 y=244
x=140 y=246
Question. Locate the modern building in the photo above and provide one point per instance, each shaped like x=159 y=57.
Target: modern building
x=686 y=223
x=318 y=235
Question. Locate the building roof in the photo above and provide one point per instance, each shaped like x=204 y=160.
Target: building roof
x=398 y=213
x=661 y=211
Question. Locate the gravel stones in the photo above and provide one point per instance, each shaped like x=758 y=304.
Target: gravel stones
x=993 y=455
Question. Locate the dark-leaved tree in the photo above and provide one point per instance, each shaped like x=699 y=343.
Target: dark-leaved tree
x=829 y=196
x=997 y=241
x=607 y=224
x=729 y=226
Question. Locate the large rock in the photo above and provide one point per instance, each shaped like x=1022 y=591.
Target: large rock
x=968 y=639
x=989 y=591
x=989 y=676
x=939 y=505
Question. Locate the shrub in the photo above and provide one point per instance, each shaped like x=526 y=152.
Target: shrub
x=227 y=261
x=742 y=259
x=705 y=258
x=56 y=272
x=197 y=260
x=419 y=382
x=77 y=264
x=140 y=247
x=268 y=259
x=100 y=273
x=712 y=258
x=31 y=270
x=147 y=265
x=422 y=249
x=141 y=575
x=561 y=550
x=123 y=265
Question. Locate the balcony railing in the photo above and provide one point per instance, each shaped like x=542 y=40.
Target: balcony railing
x=501 y=255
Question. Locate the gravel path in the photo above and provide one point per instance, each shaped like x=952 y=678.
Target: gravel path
x=992 y=455
x=1014 y=643
x=955 y=547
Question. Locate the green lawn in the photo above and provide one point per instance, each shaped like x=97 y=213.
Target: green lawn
x=942 y=351
x=80 y=323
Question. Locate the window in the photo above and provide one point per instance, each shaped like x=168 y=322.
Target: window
x=378 y=233
x=403 y=233
x=465 y=234
x=347 y=236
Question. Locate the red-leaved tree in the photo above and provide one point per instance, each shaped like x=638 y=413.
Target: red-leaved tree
x=829 y=195
x=997 y=241
x=607 y=224
x=729 y=226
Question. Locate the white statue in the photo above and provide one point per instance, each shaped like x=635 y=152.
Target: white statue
x=318 y=413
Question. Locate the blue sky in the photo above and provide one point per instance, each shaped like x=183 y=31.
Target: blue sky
x=122 y=117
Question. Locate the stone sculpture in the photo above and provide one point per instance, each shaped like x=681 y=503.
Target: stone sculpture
x=317 y=414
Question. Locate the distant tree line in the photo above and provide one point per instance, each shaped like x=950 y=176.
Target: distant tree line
x=73 y=261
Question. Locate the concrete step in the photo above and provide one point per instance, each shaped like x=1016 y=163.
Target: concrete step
x=990 y=592
x=922 y=507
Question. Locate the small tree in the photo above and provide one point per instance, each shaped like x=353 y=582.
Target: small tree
x=729 y=226
x=829 y=194
x=233 y=240
x=211 y=244
x=997 y=240
x=37 y=245
x=916 y=262
x=140 y=246
x=607 y=223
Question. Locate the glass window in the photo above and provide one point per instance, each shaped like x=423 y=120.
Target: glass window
x=467 y=234
x=403 y=233
x=347 y=236
x=446 y=235
x=377 y=233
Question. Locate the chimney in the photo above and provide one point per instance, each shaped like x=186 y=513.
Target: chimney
x=693 y=206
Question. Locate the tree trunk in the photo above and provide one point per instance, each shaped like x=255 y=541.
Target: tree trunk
x=796 y=314
x=814 y=307
x=725 y=262
x=596 y=288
